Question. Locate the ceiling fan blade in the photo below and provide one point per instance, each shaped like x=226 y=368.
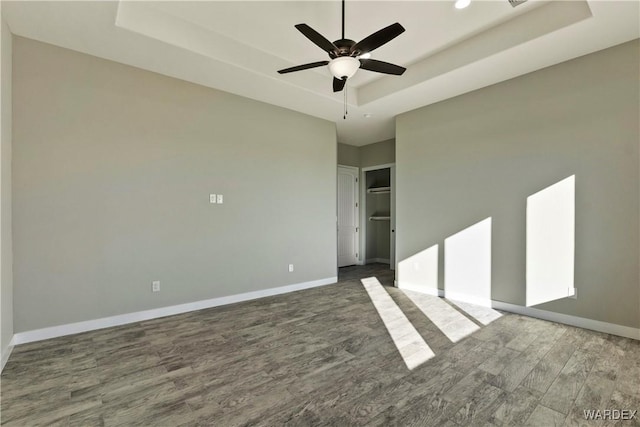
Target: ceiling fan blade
x=378 y=38
x=338 y=84
x=381 y=67
x=316 y=38
x=303 y=67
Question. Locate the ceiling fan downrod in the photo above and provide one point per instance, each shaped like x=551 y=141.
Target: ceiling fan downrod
x=343 y=19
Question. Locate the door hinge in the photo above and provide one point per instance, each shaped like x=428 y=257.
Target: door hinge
x=356 y=254
x=356 y=204
x=357 y=229
x=356 y=179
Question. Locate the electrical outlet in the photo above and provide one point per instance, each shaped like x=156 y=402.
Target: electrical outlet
x=155 y=286
x=290 y=268
x=212 y=198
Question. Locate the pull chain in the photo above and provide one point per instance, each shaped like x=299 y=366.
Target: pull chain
x=344 y=117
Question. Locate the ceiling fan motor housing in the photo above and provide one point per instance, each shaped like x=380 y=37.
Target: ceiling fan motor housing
x=344 y=47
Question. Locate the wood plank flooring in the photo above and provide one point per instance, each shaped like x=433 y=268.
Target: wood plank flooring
x=320 y=357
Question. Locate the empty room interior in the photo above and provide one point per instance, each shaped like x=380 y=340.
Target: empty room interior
x=420 y=213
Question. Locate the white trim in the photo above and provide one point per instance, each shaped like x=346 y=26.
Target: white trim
x=376 y=167
x=392 y=222
x=581 y=322
x=6 y=354
x=353 y=168
x=455 y=296
x=363 y=219
x=380 y=260
x=420 y=288
x=363 y=208
x=106 y=322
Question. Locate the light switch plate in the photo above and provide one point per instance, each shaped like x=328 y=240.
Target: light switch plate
x=155 y=286
x=212 y=198
x=220 y=200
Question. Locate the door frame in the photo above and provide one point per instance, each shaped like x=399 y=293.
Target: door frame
x=356 y=172
x=363 y=211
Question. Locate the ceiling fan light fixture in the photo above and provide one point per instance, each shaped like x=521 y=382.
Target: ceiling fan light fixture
x=344 y=67
x=347 y=56
x=461 y=4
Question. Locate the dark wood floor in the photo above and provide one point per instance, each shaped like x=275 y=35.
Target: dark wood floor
x=320 y=357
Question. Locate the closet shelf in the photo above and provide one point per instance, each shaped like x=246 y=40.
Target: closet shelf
x=379 y=218
x=379 y=190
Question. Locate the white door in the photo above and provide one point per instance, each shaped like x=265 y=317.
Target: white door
x=347 y=216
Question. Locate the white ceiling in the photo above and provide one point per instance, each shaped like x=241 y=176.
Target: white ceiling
x=237 y=46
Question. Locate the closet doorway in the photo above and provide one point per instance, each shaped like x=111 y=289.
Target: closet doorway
x=378 y=215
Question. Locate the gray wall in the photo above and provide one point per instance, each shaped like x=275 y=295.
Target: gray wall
x=482 y=154
x=379 y=153
x=348 y=155
x=6 y=276
x=113 y=167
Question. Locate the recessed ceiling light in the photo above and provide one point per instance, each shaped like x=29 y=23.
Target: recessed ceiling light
x=461 y=4
x=367 y=115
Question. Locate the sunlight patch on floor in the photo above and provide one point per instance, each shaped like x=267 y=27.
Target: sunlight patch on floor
x=410 y=344
x=450 y=321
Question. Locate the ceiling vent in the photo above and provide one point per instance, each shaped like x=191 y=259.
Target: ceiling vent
x=515 y=3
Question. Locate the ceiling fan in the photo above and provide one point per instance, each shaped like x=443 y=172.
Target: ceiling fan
x=348 y=56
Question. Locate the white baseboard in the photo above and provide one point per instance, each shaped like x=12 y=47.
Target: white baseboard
x=106 y=322
x=380 y=260
x=420 y=288
x=454 y=296
x=581 y=322
x=5 y=355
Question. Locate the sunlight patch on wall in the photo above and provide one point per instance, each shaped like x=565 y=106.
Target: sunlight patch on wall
x=419 y=272
x=410 y=344
x=453 y=324
x=551 y=243
x=467 y=264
